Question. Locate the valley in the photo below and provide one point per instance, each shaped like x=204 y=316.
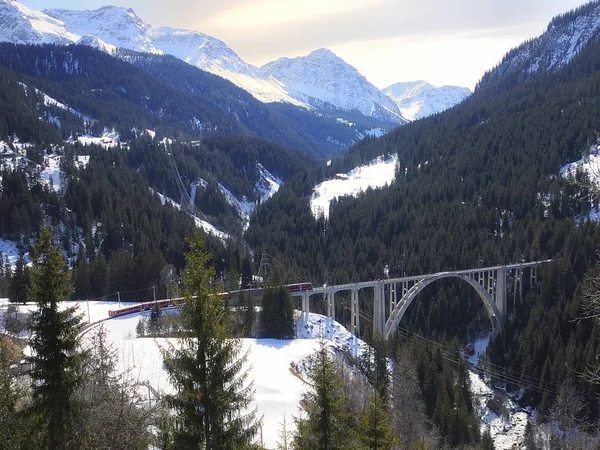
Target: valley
x=270 y=249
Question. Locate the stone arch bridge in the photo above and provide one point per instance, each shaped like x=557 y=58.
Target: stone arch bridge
x=490 y=283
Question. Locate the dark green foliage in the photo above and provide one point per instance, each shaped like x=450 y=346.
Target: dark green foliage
x=56 y=361
x=19 y=282
x=207 y=370
x=326 y=425
x=137 y=92
x=249 y=314
x=277 y=314
x=319 y=135
x=487 y=443
x=13 y=427
x=375 y=431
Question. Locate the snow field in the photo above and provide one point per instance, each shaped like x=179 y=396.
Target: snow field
x=378 y=173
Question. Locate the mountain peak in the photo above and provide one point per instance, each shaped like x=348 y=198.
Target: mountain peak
x=419 y=99
x=323 y=79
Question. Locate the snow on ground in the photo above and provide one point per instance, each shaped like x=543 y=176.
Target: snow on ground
x=206 y=226
x=109 y=139
x=277 y=388
x=376 y=174
x=243 y=206
x=588 y=164
x=82 y=161
x=51 y=173
x=9 y=251
x=507 y=431
x=268 y=184
x=151 y=133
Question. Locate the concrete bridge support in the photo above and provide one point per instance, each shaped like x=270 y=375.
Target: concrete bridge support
x=501 y=294
x=379 y=310
x=354 y=312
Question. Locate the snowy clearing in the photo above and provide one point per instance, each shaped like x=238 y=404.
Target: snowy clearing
x=378 y=173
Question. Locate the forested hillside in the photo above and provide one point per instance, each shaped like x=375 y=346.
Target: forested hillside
x=475 y=185
x=161 y=93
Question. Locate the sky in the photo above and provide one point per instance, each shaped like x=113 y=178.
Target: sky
x=440 y=41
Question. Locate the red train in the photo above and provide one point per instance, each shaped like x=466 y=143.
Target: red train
x=228 y=297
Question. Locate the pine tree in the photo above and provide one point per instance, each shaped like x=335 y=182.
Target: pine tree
x=487 y=443
x=11 y=428
x=19 y=282
x=249 y=314
x=375 y=430
x=56 y=363
x=326 y=425
x=213 y=392
x=277 y=314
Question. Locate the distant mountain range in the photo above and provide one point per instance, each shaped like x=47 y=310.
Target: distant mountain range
x=110 y=26
x=419 y=99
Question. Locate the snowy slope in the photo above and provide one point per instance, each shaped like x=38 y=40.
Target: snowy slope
x=563 y=39
x=214 y=56
x=321 y=78
x=418 y=99
x=376 y=174
x=23 y=25
x=113 y=25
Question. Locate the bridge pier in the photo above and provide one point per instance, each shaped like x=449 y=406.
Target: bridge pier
x=379 y=311
x=331 y=305
x=500 y=289
x=354 y=312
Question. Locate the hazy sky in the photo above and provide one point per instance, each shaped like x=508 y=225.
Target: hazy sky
x=441 y=41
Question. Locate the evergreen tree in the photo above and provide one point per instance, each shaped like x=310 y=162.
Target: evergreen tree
x=213 y=391
x=155 y=316
x=56 y=362
x=277 y=314
x=19 y=282
x=11 y=424
x=487 y=443
x=326 y=425
x=249 y=314
x=375 y=430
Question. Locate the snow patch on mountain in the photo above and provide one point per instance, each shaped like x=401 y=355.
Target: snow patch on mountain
x=323 y=78
x=268 y=184
x=96 y=42
x=419 y=99
x=378 y=173
x=109 y=139
x=200 y=223
x=50 y=101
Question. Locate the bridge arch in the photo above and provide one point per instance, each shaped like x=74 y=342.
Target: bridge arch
x=401 y=307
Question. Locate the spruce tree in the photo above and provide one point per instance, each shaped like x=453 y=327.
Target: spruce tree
x=56 y=363
x=375 y=430
x=11 y=428
x=277 y=314
x=249 y=316
x=207 y=368
x=326 y=425
x=19 y=282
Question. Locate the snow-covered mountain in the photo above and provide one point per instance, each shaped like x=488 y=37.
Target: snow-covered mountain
x=565 y=36
x=113 y=25
x=418 y=99
x=214 y=56
x=22 y=25
x=322 y=78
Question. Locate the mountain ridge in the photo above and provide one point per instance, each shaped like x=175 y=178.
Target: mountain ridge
x=121 y=27
x=419 y=99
